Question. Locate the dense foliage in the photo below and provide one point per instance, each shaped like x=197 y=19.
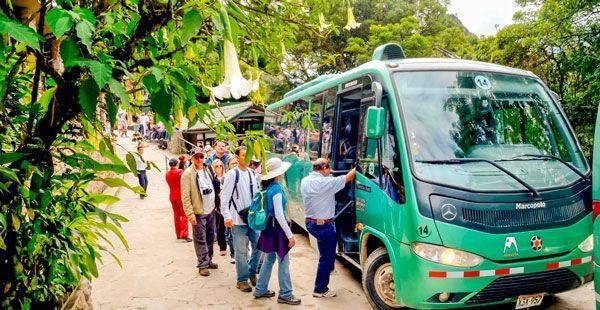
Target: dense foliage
x=65 y=63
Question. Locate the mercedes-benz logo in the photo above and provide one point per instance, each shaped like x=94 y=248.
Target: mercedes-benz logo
x=449 y=212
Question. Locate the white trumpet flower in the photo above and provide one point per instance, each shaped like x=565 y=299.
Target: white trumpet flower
x=234 y=84
x=351 y=21
x=322 y=24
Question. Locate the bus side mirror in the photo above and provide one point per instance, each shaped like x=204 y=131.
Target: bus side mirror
x=374 y=125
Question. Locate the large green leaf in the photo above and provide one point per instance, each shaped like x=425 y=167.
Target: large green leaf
x=46 y=98
x=112 y=109
x=69 y=52
x=131 y=163
x=88 y=97
x=192 y=21
x=59 y=21
x=118 y=182
x=103 y=198
x=84 y=32
x=117 y=88
x=101 y=72
x=11 y=157
x=20 y=32
x=162 y=102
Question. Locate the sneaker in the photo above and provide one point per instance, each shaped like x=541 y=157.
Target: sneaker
x=204 y=272
x=253 y=279
x=292 y=300
x=212 y=265
x=267 y=294
x=222 y=253
x=244 y=287
x=232 y=260
x=329 y=293
x=186 y=239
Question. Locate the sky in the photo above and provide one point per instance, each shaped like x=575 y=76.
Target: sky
x=481 y=16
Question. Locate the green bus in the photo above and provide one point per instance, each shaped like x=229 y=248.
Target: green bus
x=471 y=188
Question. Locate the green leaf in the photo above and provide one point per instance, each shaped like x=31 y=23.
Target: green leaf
x=84 y=32
x=152 y=164
x=102 y=73
x=249 y=150
x=102 y=198
x=158 y=73
x=131 y=163
x=85 y=14
x=162 y=102
x=112 y=109
x=46 y=98
x=20 y=32
x=59 y=21
x=88 y=97
x=9 y=174
x=117 y=88
x=11 y=157
x=69 y=52
x=192 y=22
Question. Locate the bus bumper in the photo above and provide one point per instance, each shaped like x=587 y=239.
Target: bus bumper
x=489 y=283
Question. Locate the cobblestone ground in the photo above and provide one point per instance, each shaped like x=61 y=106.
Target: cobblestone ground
x=159 y=271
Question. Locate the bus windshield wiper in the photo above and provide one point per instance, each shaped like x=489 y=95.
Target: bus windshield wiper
x=454 y=161
x=542 y=157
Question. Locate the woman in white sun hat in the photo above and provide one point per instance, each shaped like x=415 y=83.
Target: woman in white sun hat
x=276 y=239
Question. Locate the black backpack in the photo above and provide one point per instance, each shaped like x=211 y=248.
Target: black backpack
x=243 y=213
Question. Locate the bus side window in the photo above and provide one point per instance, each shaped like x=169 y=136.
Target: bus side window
x=316 y=106
x=329 y=101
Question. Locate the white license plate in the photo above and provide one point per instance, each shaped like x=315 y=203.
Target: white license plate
x=526 y=301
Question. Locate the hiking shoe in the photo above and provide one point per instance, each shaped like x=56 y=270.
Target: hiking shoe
x=244 y=286
x=292 y=300
x=253 y=279
x=212 y=265
x=204 y=272
x=232 y=260
x=267 y=294
x=329 y=293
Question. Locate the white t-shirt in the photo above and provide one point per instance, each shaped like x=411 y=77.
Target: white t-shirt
x=144 y=120
x=243 y=197
x=204 y=181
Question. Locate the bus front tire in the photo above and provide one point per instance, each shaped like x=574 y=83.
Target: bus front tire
x=378 y=281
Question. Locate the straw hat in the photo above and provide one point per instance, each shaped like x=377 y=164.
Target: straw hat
x=275 y=167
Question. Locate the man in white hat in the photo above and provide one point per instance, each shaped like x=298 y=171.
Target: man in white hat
x=318 y=191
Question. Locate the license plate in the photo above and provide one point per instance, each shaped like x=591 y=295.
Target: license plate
x=526 y=301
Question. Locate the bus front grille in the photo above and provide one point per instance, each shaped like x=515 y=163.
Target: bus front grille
x=527 y=217
x=551 y=282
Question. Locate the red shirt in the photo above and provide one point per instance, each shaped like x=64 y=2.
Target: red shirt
x=173 y=177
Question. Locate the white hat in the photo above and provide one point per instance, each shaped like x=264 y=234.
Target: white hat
x=275 y=167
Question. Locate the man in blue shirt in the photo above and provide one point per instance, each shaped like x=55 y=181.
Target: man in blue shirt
x=219 y=154
x=318 y=194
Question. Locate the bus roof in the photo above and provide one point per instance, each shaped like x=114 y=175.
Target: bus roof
x=406 y=64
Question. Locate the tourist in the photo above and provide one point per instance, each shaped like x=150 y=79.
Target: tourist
x=277 y=239
x=318 y=191
x=231 y=164
x=183 y=163
x=141 y=165
x=173 y=177
x=237 y=196
x=218 y=168
x=219 y=153
x=198 y=197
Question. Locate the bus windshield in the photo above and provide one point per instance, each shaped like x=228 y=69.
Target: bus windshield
x=507 y=119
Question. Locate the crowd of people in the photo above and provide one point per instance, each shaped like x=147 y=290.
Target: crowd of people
x=213 y=191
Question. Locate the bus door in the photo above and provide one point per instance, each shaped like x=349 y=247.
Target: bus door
x=344 y=157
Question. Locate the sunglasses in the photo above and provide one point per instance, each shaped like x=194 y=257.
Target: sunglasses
x=199 y=156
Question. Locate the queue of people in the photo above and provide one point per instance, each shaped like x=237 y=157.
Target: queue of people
x=213 y=192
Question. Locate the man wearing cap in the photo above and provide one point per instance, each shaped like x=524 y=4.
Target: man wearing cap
x=220 y=153
x=173 y=177
x=318 y=191
x=198 y=197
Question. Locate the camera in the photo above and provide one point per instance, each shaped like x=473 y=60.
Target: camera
x=206 y=191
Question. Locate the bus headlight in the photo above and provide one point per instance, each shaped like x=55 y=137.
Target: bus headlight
x=446 y=256
x=588 y=244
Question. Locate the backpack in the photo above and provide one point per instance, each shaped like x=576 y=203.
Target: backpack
x=257 y=213
x=243 y=213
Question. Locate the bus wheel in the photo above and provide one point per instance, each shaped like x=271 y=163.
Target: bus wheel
x=378 y=281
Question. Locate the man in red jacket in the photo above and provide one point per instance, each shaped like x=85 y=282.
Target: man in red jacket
x=173 y=177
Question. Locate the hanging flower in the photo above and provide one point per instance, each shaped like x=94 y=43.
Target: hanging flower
x=322 y=24
x=234 y=84
x=351 y=22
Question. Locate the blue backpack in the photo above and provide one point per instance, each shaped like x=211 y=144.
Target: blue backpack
x=257 y=213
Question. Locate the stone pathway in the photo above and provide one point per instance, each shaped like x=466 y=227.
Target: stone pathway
x=159 y=270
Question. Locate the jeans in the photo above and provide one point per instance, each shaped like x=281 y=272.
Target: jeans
x=242 y=235
x=283 y=275
x=143 y=179
x=326 y=241
x=221 y=237
x=204 y=238
x=229 y=237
